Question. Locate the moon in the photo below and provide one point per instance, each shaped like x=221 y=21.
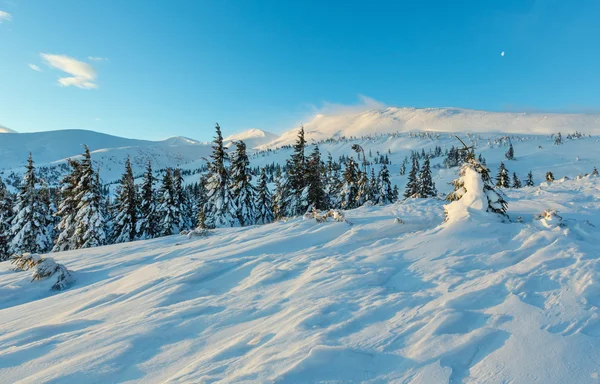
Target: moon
x=502 y=54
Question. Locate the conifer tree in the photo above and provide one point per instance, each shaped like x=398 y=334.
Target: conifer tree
x=124 y=225
x=296 y=194
x=374 y=186
x=364 y=192
x=412 y=186
x=503 y=178
x=148 y=225
x=558 y=139
x=242 y=190
x=403 y=166
x=549 y=177
x=425 y=184
x=349 y=189
x=28 y=230
x=219 y=208
x=315 y=172
x=278 y=196
x=516 y=182
x=6 y=216
x=333 y=185
x=184 y=219
x=529 y=182
x=167 y=209
x=495 y=200
x=395 y=193
x=510 y=155
x=386 y=192
x=67 y=209
x=90 y=224
x=595 y=172
x=264 y=204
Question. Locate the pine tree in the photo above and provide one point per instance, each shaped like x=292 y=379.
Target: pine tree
x=315 y=172
x=6 y=216
x=47 y=212
x=89 y=221
x=148 y=225
x=184 y=219
x=364 y=193
x=264 y=204
x=374 y=186
x=297 y=199
x=219 y=208
x=549 y=177
x=412 y=186
x=279 y=196
x=333 y=185
x=495 y=200
x=425 y=184
x=503 y=178
x=242 y=190
x=395 y=193
x=403 y=166
x=167 y=209
x=67 y=210
x=516 y=182
x=558 y=139
x=529 y=182
x=28 y=230
x=510 y=155
x=124 y=225
x=386 y=192
x=349 y=189
x=595 y=172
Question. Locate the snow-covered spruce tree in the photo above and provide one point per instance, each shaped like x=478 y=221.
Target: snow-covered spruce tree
x=124 y=224
x=28 y=227
x=595 y=172
x=395 y=193
x=333 y=185
x=475 y=185
x=242 y=190
x=148 y=224
x=264 y=203
x=549 y=177
x=510 y=154
x=296 y=196
x=219 y=208
x=315 y=172
x=184 y=220
x=516 y=183
x=558 y=139
x=47 y=211
x=529 y=181
x=374 y=186
x=503 y=177
x=403 y=166
x=67 y=209
x=6 y=216
x=349 y=189
x=279 y=196
x=89 y=221
x=167 y=210
x=386 y=192
x=364 y=192
x=425 y=184
x=412 y=186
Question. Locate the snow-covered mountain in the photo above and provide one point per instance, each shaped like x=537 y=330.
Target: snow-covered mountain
x=253 y=138
x=388 y=120
x=6 y=130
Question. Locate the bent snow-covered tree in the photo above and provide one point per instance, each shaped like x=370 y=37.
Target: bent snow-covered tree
x=474 y=190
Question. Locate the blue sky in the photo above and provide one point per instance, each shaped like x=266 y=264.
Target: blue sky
x=150 y=69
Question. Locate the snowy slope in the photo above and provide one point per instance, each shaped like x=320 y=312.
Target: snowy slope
x=6 y=130
x=391 y=119
x=253 y=138
x=370 y=300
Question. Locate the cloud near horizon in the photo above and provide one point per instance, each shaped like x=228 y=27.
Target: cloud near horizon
x=34 y=67
x=83 y=75
x=365 y=103
x=5 y=16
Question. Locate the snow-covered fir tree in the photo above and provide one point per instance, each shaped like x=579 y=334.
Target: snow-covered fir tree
x=242 y=191
x=516 y=183
x=474 y=175
x=549 y=176
x=67 y=209
x=315 y=174
x=184 y=220
x=395 y=193
x=279 y=196
x=167 y=209
x=558 y=139
x=29 y=226
x=510 y=154
x=219 y=208
x=6 y=216
x=89 y=221
x=47 y=211
x=264 y=203
x=386 y=192
x=296 y=199
x=403 y=166
x=412 y=186
x=503 y=177
x=364 y=192
x=595 y=172
x=374 y=186
x=333 y=184
x=529 y=181
x=425 y=184
x=349 y=190
x=148 y=224
x=124 y=223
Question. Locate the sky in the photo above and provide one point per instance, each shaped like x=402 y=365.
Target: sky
x=155 y=69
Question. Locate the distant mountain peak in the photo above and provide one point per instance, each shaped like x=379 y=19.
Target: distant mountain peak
x=253 y=137
x=6 y=130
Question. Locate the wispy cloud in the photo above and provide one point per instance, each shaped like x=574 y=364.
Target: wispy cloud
x=83 y=75
x=35 y=67
x=5 y=16
x=96 y=58
x=365 y=103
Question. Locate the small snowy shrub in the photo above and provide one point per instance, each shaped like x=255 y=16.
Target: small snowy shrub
x=43 y=268
x=550 y=218
x=333 y=214
x=25 y=261
x=398 y=220
x=198 y=232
